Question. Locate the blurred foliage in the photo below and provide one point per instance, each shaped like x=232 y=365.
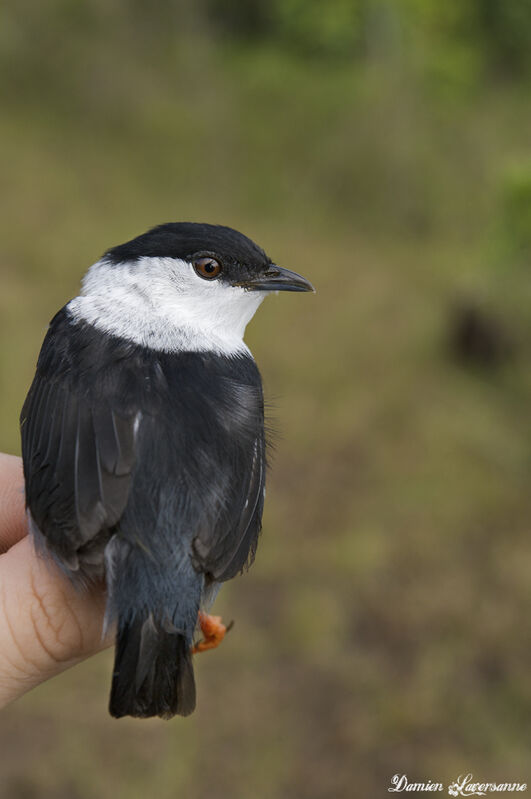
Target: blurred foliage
x=516 y=210
x=371 y=146
x=332 y=29
x=457 y=40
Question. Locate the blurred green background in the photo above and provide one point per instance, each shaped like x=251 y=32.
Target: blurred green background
x=383 y=149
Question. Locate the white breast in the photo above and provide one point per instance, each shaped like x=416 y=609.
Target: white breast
x=163 y=304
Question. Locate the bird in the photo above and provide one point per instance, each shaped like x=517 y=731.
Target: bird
x=144 y=446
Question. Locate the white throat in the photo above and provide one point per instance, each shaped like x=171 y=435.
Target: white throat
x=161 y=303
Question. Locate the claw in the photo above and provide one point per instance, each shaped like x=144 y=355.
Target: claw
x=213 y=630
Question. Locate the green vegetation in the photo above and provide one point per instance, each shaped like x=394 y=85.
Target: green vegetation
x=383 y=150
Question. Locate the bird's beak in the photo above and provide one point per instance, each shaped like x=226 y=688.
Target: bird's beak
x=277 y=279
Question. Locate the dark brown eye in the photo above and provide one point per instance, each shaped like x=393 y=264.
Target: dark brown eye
x=207 y=267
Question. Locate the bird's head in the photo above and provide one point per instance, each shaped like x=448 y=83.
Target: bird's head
x=182 y=285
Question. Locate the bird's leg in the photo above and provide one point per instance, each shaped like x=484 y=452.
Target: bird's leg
x=213 y=631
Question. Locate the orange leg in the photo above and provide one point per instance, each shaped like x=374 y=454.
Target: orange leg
x=213 y=630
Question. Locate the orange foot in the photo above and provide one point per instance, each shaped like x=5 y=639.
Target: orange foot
x=213 y=630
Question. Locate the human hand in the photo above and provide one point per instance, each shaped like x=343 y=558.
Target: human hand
x=46 y=625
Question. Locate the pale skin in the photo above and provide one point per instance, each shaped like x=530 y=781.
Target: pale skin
x=46 y=625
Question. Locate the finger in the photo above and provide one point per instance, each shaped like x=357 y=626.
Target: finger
x=46 y=625
x=12 y=511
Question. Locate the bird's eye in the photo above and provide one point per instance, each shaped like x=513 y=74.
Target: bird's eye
x=207 y=267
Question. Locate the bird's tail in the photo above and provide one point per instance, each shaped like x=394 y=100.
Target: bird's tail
x=153 y=673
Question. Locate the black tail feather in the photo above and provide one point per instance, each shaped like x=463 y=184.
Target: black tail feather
x=153 y=673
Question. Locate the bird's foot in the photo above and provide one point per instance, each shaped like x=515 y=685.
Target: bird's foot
x=213 y=630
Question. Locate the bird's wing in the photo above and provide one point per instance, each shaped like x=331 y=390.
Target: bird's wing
x=243 y=536
x=224 y=548
x=78 y=449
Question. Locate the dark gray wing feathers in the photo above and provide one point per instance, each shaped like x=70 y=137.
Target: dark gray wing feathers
x=228 y=554
x=78 y=459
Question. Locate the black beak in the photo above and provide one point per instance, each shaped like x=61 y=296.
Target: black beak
x=277 y=279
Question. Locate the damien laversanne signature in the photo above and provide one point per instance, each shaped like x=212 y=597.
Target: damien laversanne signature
x=462 y=786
